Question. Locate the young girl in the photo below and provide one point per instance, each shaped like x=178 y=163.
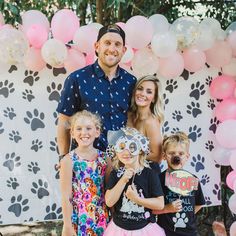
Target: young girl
x=146 y=113
x=82 y=180
x=133 y=188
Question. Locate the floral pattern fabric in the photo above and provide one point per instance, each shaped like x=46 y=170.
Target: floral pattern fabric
x=90 y=214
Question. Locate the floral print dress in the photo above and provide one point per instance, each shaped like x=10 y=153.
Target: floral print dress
x=90 y=214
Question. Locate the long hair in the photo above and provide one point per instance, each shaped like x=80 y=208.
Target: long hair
x=156 y=107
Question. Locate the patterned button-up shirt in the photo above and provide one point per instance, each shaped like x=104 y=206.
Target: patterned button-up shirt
x=89 y=89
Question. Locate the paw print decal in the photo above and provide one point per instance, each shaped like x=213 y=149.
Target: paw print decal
x=176 y=115
x=214 y=123
x=165 y=99
x=36 y=145
x=55 y=115
x=31 y=77
x=6 y=88
x=0 y=219
x=194 y=109
x=54 y=146
x=33 y=167
x=198 y=163
x=205 y=179
x=216 y=191
x=211 y=104
x=165 y=127
x=194 y=133
x=208 y=201
x=197 y=90
x=53 y=91
x=40 y=189
x=28 y=95
x=15 y=136
x=12 y=183
x=18 y=205
x=9 y=112
x=171 y=85
x=209 y=145
x=185 y=74
x=208 y=81
x=57 y=175
x=12 y=161
x=35 y=120
x=1 y=128
x=180 y=220
x=174 y=130
x=53 y=212
x=57 y=71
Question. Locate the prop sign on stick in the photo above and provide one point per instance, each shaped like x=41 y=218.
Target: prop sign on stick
x=181 y=182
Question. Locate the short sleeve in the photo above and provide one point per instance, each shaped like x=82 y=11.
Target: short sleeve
x=69 y=102
x=199 y=197
x=113 y=179
x=155 y=184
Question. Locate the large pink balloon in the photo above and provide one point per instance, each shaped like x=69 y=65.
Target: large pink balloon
x=231 y=177
x=232 y=42
x=138 y=31
x=33 y=60
x=222 y=87
x=64 y=25
x=194 y=59
x=232 y=159
x=226 y=135
x=90 y=58
x=233 y=229
x=219 y=55
x=172 y=66
x=226 y=110
x=221 y=155
x=37 y=35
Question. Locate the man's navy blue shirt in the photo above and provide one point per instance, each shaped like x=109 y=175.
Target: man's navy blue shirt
x=89 y=89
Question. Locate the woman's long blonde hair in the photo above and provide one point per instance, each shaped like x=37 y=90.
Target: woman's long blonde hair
x=156 y=107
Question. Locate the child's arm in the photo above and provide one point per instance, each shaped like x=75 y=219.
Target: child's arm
x=197 y=208
x=66 y=190
x=172 y=207
x=108 y=169
x=154 y=203
x=113 y=195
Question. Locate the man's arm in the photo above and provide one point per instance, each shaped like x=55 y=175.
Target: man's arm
x=63 y=134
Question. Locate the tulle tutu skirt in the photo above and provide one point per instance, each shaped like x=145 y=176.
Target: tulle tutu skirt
x=152 y=229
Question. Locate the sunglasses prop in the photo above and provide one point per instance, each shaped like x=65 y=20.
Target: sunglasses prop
x=181 y=182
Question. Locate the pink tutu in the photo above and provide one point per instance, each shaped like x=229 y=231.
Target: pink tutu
x=149 y=230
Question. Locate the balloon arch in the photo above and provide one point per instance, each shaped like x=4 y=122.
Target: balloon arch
x=165 y=49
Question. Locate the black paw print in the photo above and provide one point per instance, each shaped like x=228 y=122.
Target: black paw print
x=174 y=130
x=12 y=183
x=40 y=189
x=211 y=104
x=1 y=128
x=12 y=161
x=57 y=175
x=55 y=115
x=57 y=71
x=185 y=74
x=18 y=205
x=53 y=91
x=194 y=133
x=30 y=220
x=6 y=89
x=165 y=99
x=54 y=146
x=31 y=77
x=208 y=81
x=197 y=162
x=28 y=95
x=209 y=145
x=15 y=136
x=216 y=165
x=0 y=219
x=177 y=115
x=165 y=127
x=35 y=119
x=214 y=123
x=194 y=109
x=53 y=212
x=197 y=90
x=216 y=191
x=171 y=85
x=9 y=112
x=205 y=179
x=12 y=68
x=36 y=145
x=33 y=167
x=208 y=201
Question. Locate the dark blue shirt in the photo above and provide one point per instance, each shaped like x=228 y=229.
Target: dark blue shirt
x=89 y=89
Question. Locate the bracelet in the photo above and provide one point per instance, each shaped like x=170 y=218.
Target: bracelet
x=61 y=157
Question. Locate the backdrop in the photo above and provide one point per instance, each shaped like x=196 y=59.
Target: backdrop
x=29 y=189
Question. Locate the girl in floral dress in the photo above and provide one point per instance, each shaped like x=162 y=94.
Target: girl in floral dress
x=82 y=176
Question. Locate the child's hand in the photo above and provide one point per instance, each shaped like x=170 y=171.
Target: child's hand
x=131 y=193
x=128 y=174
x=175 y=206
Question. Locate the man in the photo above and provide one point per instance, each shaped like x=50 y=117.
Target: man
x=103 y=88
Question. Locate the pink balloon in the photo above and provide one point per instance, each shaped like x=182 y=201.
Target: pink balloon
x=219 y=55
x=226 y=135
x=6 y=26
x=90 y=58
x=172 y=66
x=232 y=203
x=232 y=230
x=64 y=25
x=121 y=24
x=221 y=155
x=37 y=35
x=135 y=35
x=194 y=59
x=232 y=159
x=33 y=60
x=232 y=42
x=226 y=110
x=231 y=177
x=74 y=61
x=222 y=87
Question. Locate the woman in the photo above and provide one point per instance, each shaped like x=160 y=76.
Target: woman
x=146 y=114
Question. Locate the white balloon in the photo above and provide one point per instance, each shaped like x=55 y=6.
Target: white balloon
x=160 y=23
x=231 y=28
x=230 y=69
x=233 y=229
x=2 y=21
x=221 y=155
x=232 y=203
x=213 y=25
x=95 y=25
x=128 y=56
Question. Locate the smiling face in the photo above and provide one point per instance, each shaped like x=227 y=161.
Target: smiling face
x=110 y=50
x=145 y=94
